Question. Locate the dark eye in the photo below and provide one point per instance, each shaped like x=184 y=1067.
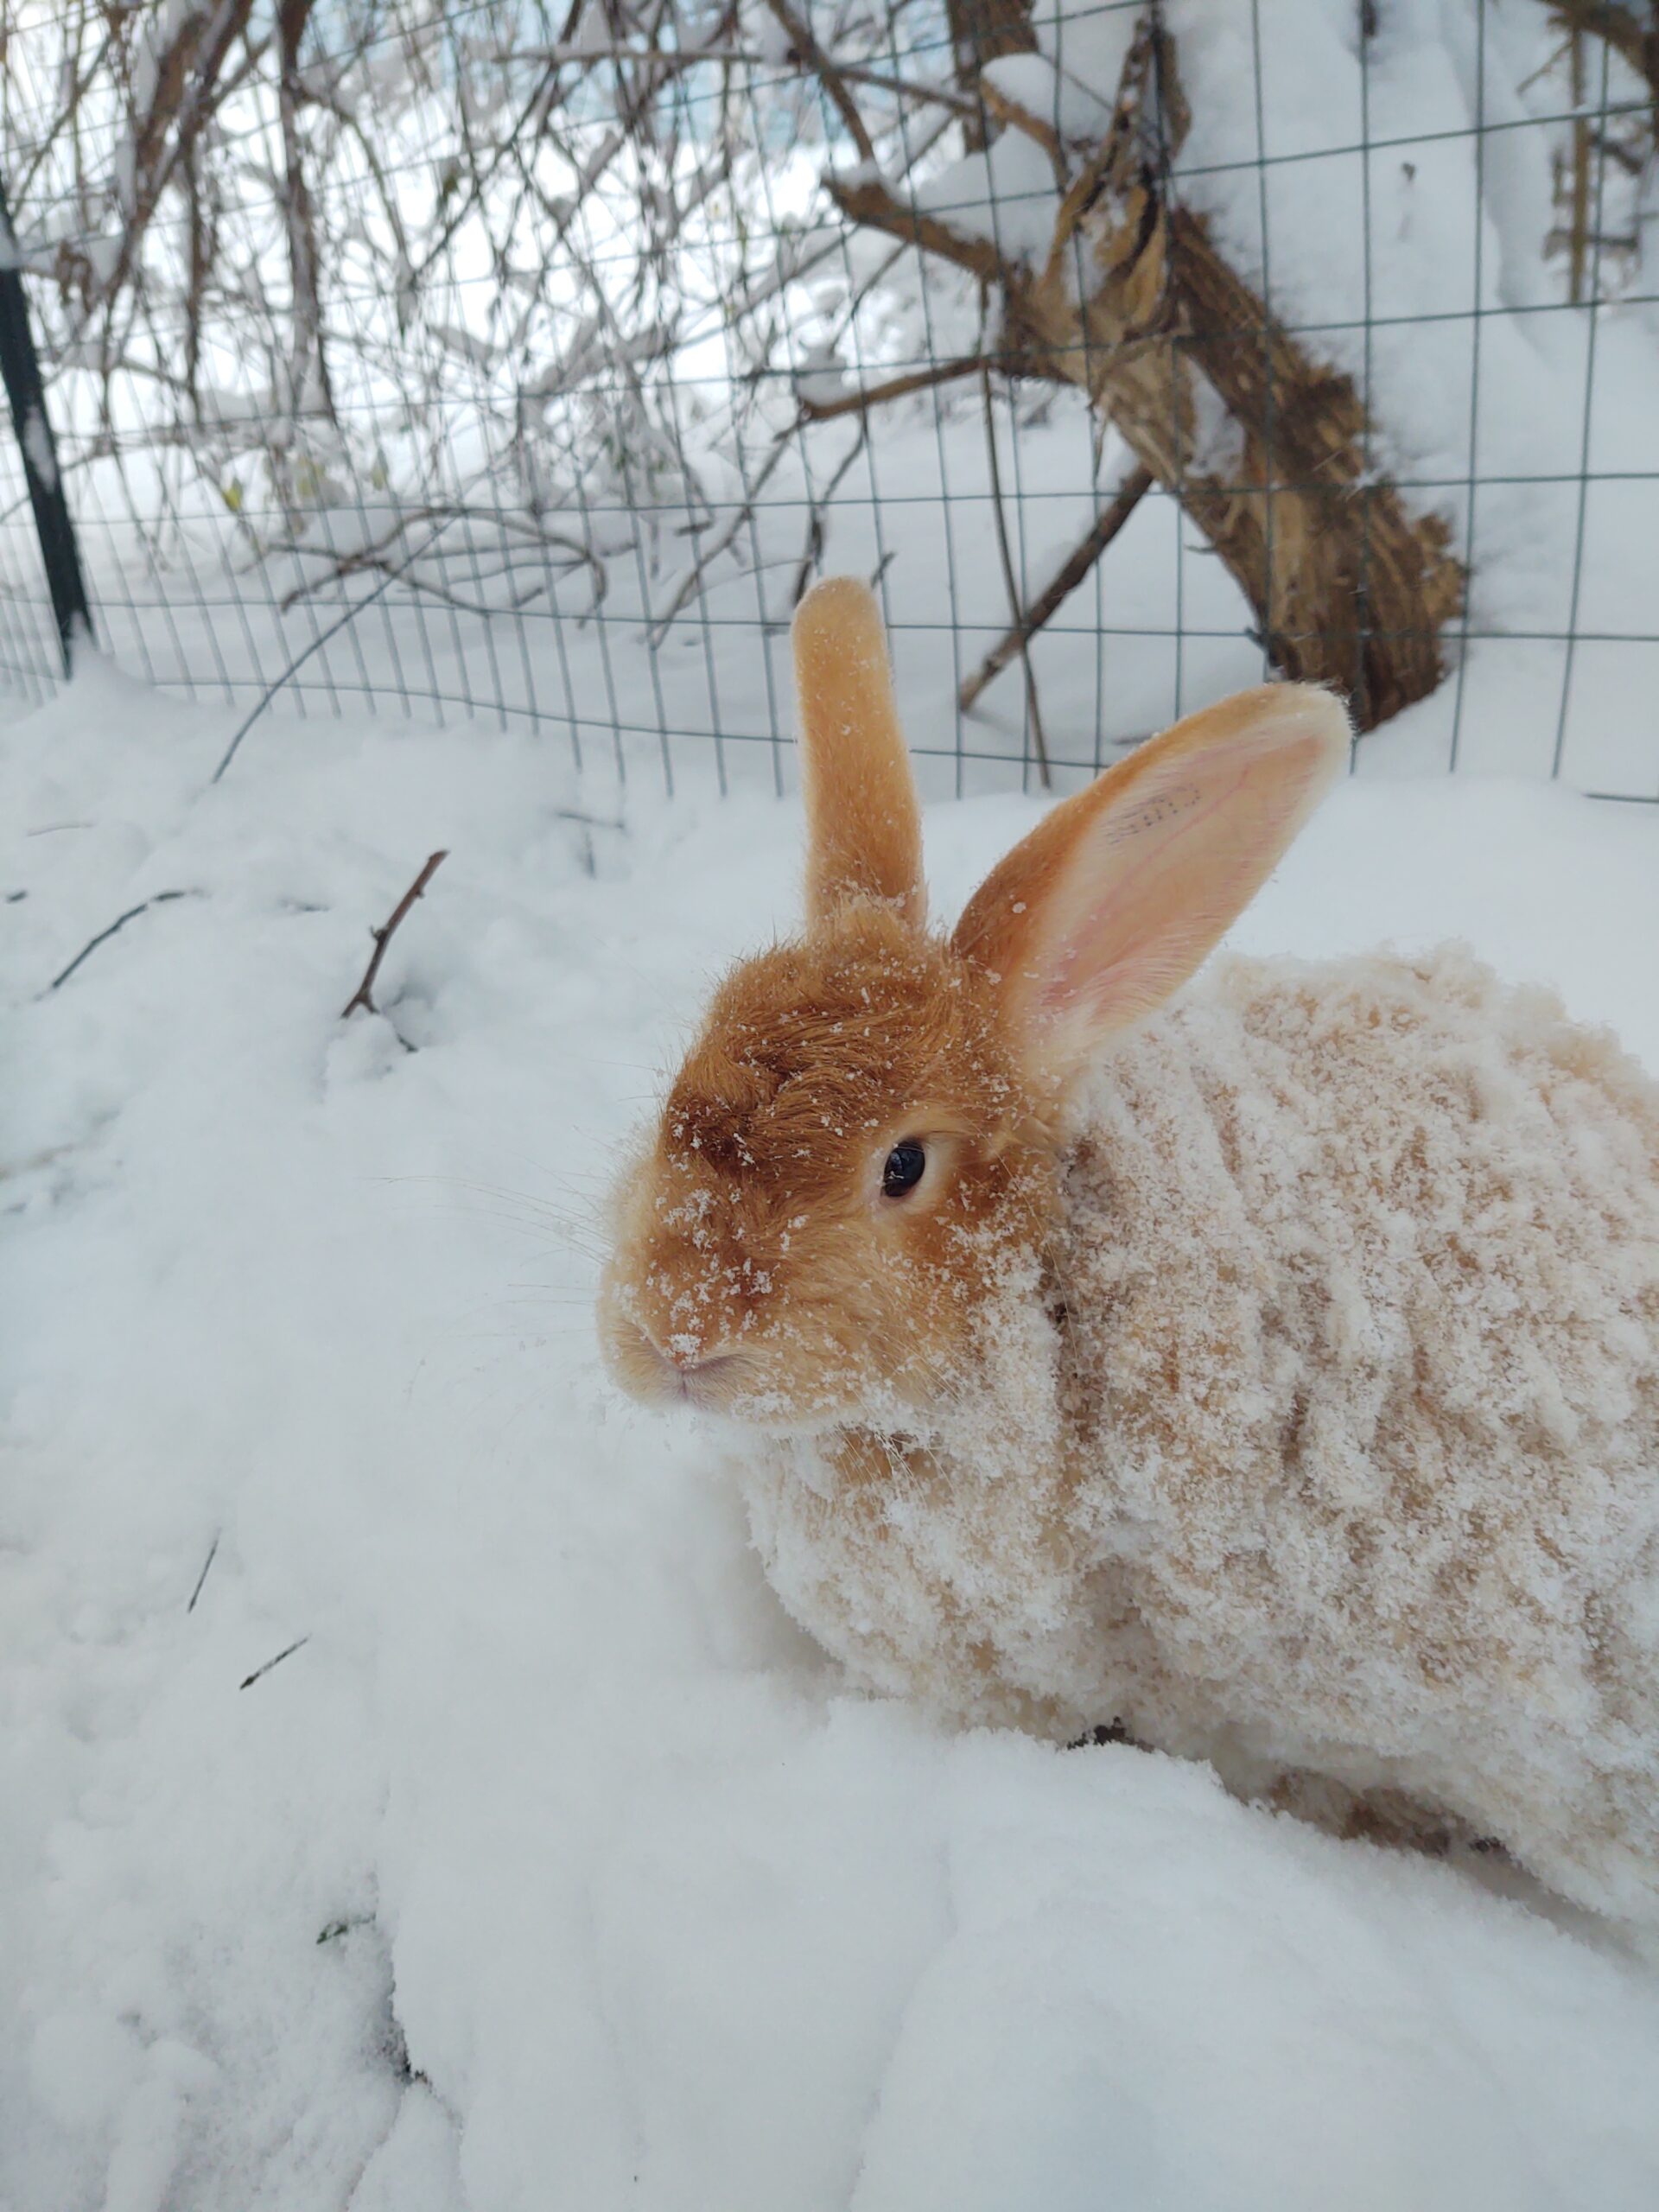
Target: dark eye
x=905 y=1166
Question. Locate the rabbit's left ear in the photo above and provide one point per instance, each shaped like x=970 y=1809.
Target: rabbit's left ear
x=863 y=826
x=1115 y=897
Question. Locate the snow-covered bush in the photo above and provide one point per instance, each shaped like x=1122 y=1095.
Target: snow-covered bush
x=525 y=310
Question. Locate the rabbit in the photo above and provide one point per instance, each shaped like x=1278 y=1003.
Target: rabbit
x=1268 y=1372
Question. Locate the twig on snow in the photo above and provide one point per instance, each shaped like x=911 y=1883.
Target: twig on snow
x=336 y=1929
x=213 y=1554
x=120 y=922
x=248 y=1681
x=364 y=995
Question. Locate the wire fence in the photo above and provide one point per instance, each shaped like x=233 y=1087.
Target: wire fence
x=525 y=361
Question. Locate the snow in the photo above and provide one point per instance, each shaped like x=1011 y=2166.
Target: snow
x=555 y=1865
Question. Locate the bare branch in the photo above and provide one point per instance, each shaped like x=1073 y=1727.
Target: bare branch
x=1066 y=578
x=868 y=200
x=1022 y=646
x=692 y=581
x=364 y=995
x=829 y=76
x=856 y=403
x=812 y=551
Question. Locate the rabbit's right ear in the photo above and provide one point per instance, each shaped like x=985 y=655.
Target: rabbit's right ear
x=1115 y=897
x=863 y=826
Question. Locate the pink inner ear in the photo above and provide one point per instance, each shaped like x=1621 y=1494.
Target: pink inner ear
x=1139 y=927
x=1113 y=901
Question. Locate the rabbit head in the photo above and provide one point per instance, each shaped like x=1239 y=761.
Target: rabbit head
x=869 y=1123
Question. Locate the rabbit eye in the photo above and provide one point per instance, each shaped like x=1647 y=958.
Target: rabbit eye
x=903 y=1168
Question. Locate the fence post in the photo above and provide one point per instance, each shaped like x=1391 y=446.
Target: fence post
x=20 y=368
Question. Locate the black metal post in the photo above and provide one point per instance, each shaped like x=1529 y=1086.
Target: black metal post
x=20 y=368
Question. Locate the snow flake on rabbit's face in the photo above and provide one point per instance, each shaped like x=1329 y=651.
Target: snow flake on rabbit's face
x=842 y=1158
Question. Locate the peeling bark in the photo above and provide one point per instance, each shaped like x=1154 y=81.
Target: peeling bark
x=1137 y=305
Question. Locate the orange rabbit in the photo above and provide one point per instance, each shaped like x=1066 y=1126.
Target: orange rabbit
x=1272 y=1370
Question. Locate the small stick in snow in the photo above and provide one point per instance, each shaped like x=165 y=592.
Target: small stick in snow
x=104 y=936
x=336 y=1928
x=1112 y=518
x=213 y=1554
x=364 y=995
x=298 y=1644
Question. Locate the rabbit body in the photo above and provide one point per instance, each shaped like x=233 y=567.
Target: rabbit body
x=1321 y=1435
x=1271 y=1371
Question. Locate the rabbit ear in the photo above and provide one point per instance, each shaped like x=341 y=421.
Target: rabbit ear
x=863 y=827
x=1115 y=897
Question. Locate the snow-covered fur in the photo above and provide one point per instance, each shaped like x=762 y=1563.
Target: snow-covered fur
x=1272 y=1373
x=1323 y=1436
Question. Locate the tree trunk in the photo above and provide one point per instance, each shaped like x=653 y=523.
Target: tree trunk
x=982 y=31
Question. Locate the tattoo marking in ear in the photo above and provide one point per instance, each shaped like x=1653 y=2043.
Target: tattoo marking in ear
x=1156 y=811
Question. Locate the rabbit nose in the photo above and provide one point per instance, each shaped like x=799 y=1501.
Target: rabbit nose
x=688 y=1369
x=684 y=1351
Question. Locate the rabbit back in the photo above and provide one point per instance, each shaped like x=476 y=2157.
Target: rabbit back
x=1325 y=1435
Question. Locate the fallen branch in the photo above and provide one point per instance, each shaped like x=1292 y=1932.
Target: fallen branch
x=1066 y=578
x=364 y=995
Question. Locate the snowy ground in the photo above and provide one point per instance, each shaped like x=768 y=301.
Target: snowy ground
x=554 y=1868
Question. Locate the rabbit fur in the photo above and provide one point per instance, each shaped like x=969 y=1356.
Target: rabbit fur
x=1321 y=1436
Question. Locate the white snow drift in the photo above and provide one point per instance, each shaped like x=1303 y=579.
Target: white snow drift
x=552 y=1866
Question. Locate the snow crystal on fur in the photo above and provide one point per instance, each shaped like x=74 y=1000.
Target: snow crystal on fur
x=1323 y=1439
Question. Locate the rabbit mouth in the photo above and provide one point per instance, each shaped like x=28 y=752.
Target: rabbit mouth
x=739 y=1384
x=676 y=1373
x=710 y=1384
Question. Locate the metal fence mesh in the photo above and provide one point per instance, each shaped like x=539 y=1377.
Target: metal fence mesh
x=513 y=361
